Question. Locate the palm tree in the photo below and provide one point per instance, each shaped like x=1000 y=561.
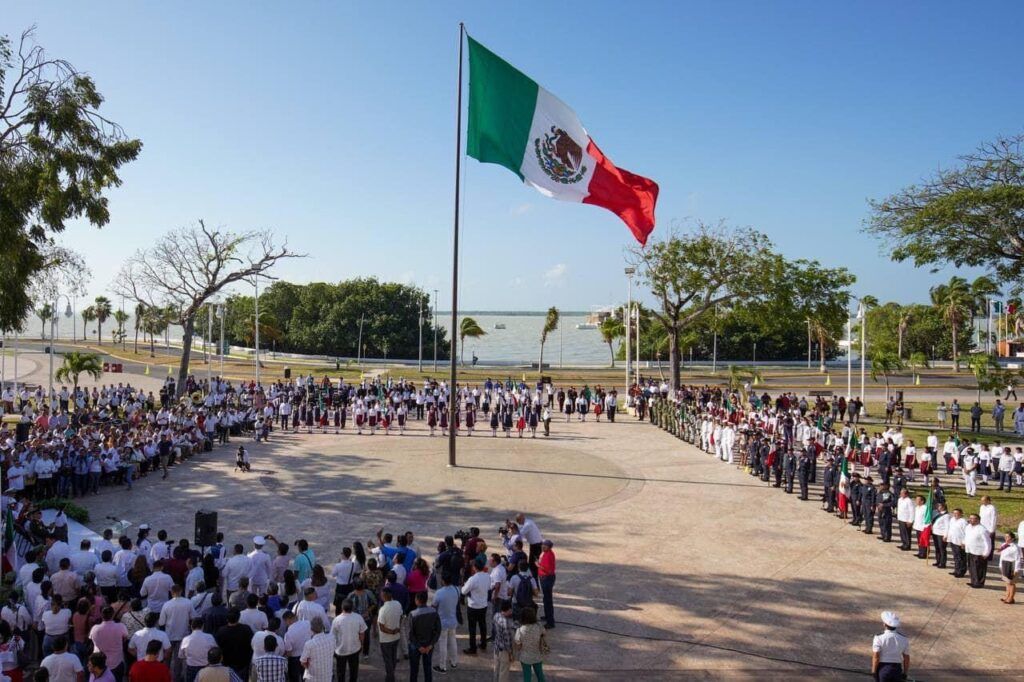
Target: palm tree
x=76 y=363
x=45 y=315
x=550 y=325
x=740 y=376
x=103 y=311
x=468 y=327
x=88 y=315
x=121 y=317
x=138 y=316
x=885 y=364
x=917 y=361
x=953 y=300
x=902 y=323
x=988 y=373
x=867 y=302
x=154 y=322
x=612 y=329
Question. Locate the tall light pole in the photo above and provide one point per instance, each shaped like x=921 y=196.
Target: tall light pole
x=714 y=343
x=256 y=323
x=637 y=313
x=849 y=357
x=68 y=312
x=16 y=363
x=359 y=345
x=221 y=313
x=420 y=318
x=435 y=330
x=863 y=317
x=808 y=344
x=206 y=345
x=630 y=271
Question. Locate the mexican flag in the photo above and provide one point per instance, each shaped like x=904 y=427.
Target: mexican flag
x=844 y=484
x=929 y=515
x=515 y=123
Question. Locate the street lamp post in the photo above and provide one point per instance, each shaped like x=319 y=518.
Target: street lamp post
x=637 y=320
x=849 y=357
x=206 y=345
x=68 y=312
x=221 y=313
x=435 y=330
x=359 y=345
x=420 y=363
x=714 y=343
x=863 y=317
x=630 y=271
x=256 y=322
x=808 y=344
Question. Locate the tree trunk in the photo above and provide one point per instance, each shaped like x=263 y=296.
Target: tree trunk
x=186 y=354
x=462 y=351
x=674 y=357
x=821 y=348
x=540 y=365
x=899 y=343
x=136 y=340
x=956 y=359
x=152 y=345
x=612 y=351
x=886 y=375
x=99 y=332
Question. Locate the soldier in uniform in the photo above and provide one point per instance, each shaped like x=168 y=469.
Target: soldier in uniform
x=890 y=652
x=899 y=482
x=776 y=459
x=766 y=448
x=886 y=501
x=868 y=500
x=804 y=473
x=790 y=467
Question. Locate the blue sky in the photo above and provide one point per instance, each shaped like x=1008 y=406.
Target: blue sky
x=333 y=124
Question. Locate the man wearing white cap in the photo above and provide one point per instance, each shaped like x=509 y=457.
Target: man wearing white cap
x=890 y=651
x=259 y=572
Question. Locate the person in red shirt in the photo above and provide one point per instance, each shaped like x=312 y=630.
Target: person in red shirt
x=546 y=577
x=150 y=669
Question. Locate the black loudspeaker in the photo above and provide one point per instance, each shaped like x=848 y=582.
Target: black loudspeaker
x=206 y=528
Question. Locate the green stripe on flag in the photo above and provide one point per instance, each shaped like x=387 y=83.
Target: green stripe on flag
x=502 y=100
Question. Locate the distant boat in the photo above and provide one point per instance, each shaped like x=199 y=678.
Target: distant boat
x=595 y=318
x=500 y=325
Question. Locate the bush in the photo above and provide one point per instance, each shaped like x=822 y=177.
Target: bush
x=74 y=512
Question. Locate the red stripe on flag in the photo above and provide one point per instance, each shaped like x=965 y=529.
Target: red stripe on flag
x=631 y=197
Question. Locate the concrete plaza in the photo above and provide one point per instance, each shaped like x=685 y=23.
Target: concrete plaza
x=671 y=564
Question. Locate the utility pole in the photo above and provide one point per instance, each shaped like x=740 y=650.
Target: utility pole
x=359 y=344
x=849 y=357
x=256 y=283
x=207 y=338
x=637 y=313
x=435 y=330
x=863 y=317
x=714 y=344
x=420 y=364
x=808 y=344
x=222 y=313
x=630 y=271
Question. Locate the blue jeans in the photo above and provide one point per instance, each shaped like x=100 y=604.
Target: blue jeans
x=414 y=664
x=547 y=586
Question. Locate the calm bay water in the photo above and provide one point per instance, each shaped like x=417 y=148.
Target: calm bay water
x=518 y=342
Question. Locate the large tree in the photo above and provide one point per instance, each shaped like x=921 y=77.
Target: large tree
x=821 y=297
x=58 y=158
x=190 y=266
x=953 y=301
x=712 y=265
x=968 y=215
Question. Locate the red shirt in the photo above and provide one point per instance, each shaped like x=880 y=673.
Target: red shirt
x=149 y=671
x=546 y=564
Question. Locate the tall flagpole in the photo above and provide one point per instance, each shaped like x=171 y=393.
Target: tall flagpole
x=452 y=393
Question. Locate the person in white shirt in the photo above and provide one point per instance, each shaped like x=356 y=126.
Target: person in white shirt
x=175 y=618
x=348 y=631
x=251 y=614
x=987 y=514
x=61 y=665
x=259 y=639
x=890 y=651
x=531 y=536
x=156 y=588
x=970 y=472
x=978 y=544
x=920 y=523
x=477 y=588
x=309 y=609
x=237 y=566
x=1011 y=560
x=139 y=641
x=194 y=649
x=905 y=515
x=956 y=536
x=84 y=560
x=297 y=633
x=940 y=529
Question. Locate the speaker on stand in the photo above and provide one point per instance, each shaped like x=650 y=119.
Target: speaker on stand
x=206 y=528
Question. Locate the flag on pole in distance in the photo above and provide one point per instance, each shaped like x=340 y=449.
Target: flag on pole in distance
x=844 y=483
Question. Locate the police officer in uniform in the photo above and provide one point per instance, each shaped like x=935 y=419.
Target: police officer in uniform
x=803 y=472
x=886 y=501
x=790 y=466
x=899 y=482
x=890 y=651
x=828 y=483
x=858 y=513
x=868 y=500
x=777 y=465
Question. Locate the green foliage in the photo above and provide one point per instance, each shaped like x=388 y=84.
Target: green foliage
x=969 y=215
x=550 y=325
x=76 y=364
x=884 y=363
x=323 y=318
x=926 y=331
x=468 y=327
x=74 y=512
x=954 y=300
x=989 y=375
x=102 y=309
x=58 y=157
x=612 y=328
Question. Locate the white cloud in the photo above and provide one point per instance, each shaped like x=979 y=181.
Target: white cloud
x=516 y=282
x=521 y=209
x=555 y=276
x=407 y=277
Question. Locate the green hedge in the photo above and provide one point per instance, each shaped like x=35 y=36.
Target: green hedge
x=74 y=512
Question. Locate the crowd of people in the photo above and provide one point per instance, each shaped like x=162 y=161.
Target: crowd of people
x=793 y=442
x=155 y=609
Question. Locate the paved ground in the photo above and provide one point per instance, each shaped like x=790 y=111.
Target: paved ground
x=672 y=564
